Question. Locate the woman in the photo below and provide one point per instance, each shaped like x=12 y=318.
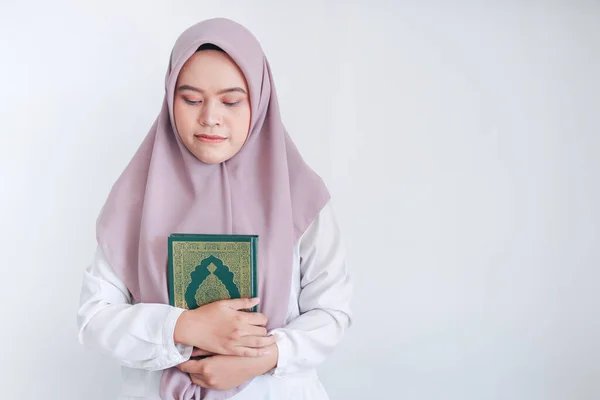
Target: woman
x=218 y=160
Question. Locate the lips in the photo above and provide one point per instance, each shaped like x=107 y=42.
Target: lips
x=210 y=138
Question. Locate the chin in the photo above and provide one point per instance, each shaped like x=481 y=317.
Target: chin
x=211 y=161
x=211 y=154
x=211 y=158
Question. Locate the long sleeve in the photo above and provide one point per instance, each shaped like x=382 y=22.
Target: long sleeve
x=138 y=336
x=324 y=299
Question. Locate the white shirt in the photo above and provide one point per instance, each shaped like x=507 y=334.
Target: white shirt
x=140 y=336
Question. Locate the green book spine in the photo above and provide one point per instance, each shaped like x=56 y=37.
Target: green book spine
x=205 y=268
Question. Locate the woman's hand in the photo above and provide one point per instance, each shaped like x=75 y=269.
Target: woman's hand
x=221 y=328
x=227 y=372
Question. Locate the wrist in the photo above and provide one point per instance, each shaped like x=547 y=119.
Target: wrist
x=261 y=365
x=271 y=358
x=182 y=326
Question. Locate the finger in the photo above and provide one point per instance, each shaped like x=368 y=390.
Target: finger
x=242 y=351
x=190 y=367
x=200 y=352
x=254 y=331
x=257 y=319
x=184 y=367
x=257 y=341
x=241 y=304
x=198 y=380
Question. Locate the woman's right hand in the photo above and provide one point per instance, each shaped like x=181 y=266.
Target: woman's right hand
x=221 y=328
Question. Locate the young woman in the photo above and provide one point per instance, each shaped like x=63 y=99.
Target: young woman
x=218 y=160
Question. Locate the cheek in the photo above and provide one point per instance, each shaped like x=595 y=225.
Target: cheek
x=242 y=126
x=184 y=119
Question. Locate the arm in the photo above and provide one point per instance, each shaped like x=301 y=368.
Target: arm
x=324 y=300
x=140 y=335
x=158 y=336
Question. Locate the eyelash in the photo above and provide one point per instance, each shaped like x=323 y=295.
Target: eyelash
x=193 y=103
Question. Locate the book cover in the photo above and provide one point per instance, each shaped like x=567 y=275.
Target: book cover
x=206 y=268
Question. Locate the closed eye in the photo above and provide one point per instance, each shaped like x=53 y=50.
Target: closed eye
x=231 y=104
x=191 y=102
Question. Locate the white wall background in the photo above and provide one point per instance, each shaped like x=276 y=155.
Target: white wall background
x=461 y=142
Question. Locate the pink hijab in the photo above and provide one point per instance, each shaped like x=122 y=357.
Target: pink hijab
x=265 y=189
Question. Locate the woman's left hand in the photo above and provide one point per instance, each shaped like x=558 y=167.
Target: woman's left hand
x=226 y=372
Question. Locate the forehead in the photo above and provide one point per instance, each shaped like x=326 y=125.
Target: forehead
x=211 y=69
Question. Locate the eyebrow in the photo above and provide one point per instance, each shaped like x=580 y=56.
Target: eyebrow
x=228 y=90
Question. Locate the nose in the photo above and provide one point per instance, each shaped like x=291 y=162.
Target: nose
x=209 y=115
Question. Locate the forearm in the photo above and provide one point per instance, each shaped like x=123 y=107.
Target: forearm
x=307 y=341
x=138 y=336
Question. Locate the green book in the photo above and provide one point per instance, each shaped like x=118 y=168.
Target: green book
x=206 y=268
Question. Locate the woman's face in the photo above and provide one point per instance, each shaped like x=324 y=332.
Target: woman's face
x=212 y=106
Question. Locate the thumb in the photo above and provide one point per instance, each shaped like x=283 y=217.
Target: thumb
x=241 y=304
